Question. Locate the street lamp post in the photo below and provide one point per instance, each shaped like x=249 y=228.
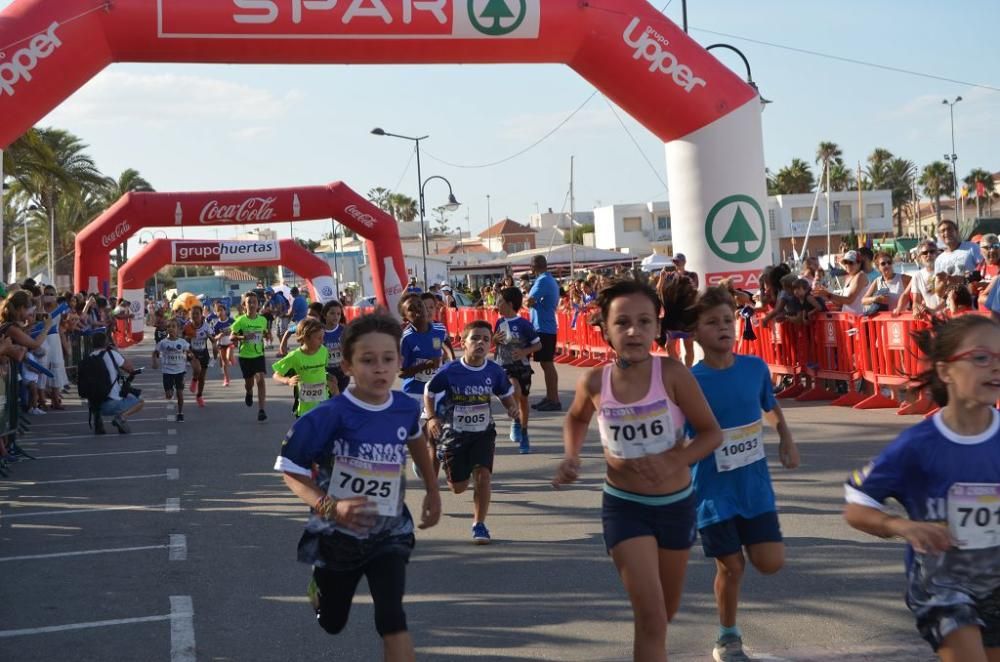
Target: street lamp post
x=336 y=268
x=452 y=204
x=953 y=157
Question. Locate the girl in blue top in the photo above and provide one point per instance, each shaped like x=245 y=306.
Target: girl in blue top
x=945 y=471
x=735 y=500
x=333 y=313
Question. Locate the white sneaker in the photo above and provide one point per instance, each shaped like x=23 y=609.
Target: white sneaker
x=36 y=412
x=211 y=363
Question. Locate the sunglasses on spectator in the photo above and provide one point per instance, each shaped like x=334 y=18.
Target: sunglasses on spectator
x=922 y=253
x=885 y=263
x=990 y=247
x=981 y=358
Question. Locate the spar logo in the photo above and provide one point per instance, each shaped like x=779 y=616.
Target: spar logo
x=115 y=235
x=652 y=46
x=495 y=18
x=251 y=210
x=25 y=60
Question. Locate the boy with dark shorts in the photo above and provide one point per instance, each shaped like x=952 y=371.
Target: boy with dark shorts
x=516 y=340
x=463 y=422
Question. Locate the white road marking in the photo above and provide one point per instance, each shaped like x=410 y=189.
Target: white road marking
x=178 y=547
x=172 y=431
x=61 y=457
x=83 y=626
x=173 y=474
x=75 y=511
x=90 y=480
x=85 y=552
x=171 y=449
x=181 y=629
x=173 y=505
x=82 y=436
x=36 y=425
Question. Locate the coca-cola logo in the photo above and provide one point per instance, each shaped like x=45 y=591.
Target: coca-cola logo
x=115 y=235
x=25 y=60
x=361 y=217
x=251 y=210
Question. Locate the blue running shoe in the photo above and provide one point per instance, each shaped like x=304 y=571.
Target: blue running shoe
x=515 y=432
x=525 y=445
x=480 y=534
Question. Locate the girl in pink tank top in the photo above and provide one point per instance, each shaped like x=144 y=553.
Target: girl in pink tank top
x=642 y=403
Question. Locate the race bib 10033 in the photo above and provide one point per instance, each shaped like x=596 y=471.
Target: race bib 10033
x=974 y=515
x=740 y=446
x=378 y=482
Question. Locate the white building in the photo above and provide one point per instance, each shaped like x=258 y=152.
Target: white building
x=644 y=228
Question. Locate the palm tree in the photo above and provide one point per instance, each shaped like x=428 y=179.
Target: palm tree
x=841 y=177
x=58 y=169
x=827 y=152
x=379 y=196
x=937 y=181
x=129 y=181
x=901 y=173
x=404 y=208
x=794 y=178
x=877 y=171
x=980 y=176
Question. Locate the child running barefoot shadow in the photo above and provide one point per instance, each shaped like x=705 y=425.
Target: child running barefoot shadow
x=648 y=512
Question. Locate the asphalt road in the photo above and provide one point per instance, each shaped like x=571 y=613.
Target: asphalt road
x=177 y=542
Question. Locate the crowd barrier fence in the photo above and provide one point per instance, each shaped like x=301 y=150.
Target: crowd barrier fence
x=875 y=357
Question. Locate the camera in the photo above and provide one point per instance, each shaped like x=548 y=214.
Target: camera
x=126 y=388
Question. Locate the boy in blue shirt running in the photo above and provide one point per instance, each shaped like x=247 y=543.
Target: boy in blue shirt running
x=516 y=340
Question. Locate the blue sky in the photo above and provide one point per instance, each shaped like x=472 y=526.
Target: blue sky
x=191 y=127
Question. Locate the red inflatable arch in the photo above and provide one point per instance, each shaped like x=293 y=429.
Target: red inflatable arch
x=637 y=57
x=133 y=275
x=135 y=211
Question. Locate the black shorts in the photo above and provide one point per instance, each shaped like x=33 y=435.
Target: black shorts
x=250 y=367
x=521 y=373
x=343 y=381
x=672 y=523
x=203 y=358
x=732 y=535
x=173 y=382
x=460 y=455
x=548 y=351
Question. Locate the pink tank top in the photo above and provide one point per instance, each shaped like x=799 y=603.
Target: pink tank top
x=650 y=426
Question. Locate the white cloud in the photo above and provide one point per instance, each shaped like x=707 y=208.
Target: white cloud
x=156 y=101
x=532 y=126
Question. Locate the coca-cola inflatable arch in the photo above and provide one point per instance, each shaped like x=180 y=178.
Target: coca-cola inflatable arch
x=133 y=274
x=708 y=116
x=135 y=211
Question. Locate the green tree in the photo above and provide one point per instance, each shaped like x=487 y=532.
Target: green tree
x=794 y=178
x=841 y=177
x=828 y=153
x=404 y=208
x=380 y=197
x=576 y=237
x=877 y=172
x=900 y=180
x=980 y=176
x=937 y=180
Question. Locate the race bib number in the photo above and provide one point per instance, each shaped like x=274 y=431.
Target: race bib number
x=629 y=439
x=335 y=356
x=974 y=515
x=425 y=375
x=198 y=343
x=253 y=337
x=312 y=392
x=740 y=446
x=378 y=482
x=471 y=418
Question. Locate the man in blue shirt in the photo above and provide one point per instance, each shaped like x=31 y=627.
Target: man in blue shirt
x=543 y=300
x=300 y=307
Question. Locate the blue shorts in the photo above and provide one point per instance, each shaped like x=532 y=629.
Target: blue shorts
x=115 y=407
x=669 y=518
x=732 y=535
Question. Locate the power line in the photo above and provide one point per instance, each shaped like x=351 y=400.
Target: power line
x=104 y=4
x=840 y=58
x=523 y=151
x=406 y=169
x=645 y=158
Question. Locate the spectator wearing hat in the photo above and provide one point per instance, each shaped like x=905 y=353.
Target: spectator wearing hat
x=680 y=261
x=849 y=297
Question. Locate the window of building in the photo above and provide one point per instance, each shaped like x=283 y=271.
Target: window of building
x=800 y=213
x=844 y=214
x=875 y=210
x=632 y=224
x=662 y=222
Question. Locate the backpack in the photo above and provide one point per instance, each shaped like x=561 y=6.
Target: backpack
x=93 y=381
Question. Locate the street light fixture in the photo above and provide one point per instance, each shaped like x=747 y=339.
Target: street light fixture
x=953 y=157
x=451 y=205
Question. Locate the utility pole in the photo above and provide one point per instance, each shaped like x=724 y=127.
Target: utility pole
x=572 y=224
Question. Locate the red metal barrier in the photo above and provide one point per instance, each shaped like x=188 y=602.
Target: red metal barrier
x=832 y=346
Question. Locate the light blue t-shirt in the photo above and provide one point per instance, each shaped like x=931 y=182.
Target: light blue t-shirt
x=736 y=397
x=300 y=308
x=545 y=291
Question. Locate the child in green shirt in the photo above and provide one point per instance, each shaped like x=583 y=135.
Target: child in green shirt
x=305 y=366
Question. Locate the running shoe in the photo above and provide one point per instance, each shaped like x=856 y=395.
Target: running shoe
x=729 y=648
x=525 y=445
x=36 y=412
x=225 y=381
x=194 y=385
x=211 y=363
x=200 y=400
x=548 y=405
x=120 y=423
x=515 y=432
x=249 y=399
x=312 y=590
x=261 y=415
x=480 y=534
x=180 y=418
